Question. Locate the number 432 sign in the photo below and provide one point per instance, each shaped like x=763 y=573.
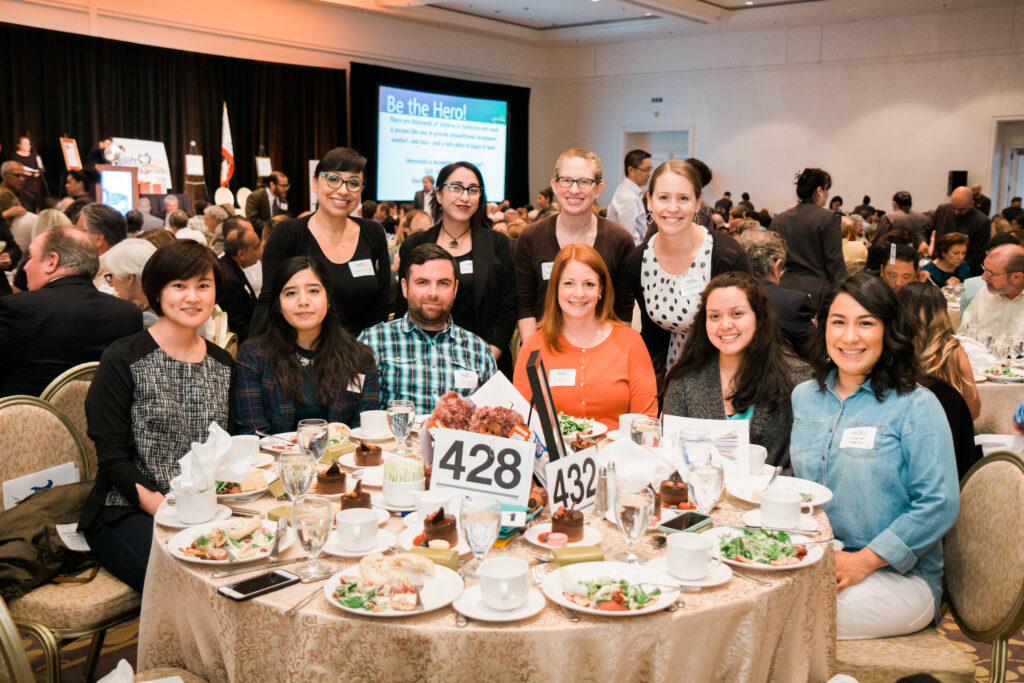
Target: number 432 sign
x=469 y=463
x=572 y=480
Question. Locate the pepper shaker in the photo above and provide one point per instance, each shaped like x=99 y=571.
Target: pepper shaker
x=601 y=499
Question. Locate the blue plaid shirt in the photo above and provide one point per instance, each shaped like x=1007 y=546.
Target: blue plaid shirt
x=415 y=365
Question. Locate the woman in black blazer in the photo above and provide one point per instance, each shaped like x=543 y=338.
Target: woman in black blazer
x=485 y=303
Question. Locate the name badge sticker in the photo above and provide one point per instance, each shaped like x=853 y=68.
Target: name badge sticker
x=466 y=379
x=545 y=270
x=691 y=283
x=562 y=378
x=361 y=268
x=466 y=267
x=859 y=437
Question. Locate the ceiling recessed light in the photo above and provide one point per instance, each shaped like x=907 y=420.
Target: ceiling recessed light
x=749 y=2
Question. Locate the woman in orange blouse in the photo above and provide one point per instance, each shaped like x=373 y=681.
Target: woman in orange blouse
x=598 y=367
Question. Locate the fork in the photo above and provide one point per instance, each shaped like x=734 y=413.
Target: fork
x=538 y=578
x=416 y=582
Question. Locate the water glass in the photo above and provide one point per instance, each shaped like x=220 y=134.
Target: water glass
x=297 y=469
x=705 y=482
x=695 y=446
x=999 y=350
x=971 y=331
x=480 y=519
x=633 y=509
x=1017 y=346
x=312 y=435
x=646 y=431
x=311 y=520
x=401 y=413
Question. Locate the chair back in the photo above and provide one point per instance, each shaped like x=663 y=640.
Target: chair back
x=67 y=394
x=224 y=196
x=241 y=196
x=854 y=267
x=231 y=344
x=39 y=436
x=18 y=666
x=984 y=551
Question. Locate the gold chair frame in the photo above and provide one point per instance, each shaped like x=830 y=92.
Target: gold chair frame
x=69 y=375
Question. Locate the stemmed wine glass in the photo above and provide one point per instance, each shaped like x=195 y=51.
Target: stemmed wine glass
x=480 y=519
x=401 y=413
x=311 y=519
x=633 y=509
x=999 y=350
x=297 y=469
x=645 y=431
x=312 y=434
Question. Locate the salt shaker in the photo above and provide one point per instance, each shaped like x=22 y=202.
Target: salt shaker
x=601 y=499
x=610 y=481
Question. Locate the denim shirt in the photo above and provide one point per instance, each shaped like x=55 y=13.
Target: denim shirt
x=891 y=469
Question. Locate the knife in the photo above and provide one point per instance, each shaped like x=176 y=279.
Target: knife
x=254 y=568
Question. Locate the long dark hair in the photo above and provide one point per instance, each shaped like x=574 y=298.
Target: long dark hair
x=898 y=369
x=479 y=218
x=338 y=358
x=763 y=377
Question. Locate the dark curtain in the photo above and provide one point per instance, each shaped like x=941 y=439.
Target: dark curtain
x=61 y=83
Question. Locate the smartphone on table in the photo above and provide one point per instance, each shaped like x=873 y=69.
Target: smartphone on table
x=691 y=520
x=258 y=585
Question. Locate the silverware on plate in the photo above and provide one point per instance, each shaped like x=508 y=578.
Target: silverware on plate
x=294 y=609
x=538 y=578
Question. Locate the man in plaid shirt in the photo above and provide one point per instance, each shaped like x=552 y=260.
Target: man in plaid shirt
x=424 y=354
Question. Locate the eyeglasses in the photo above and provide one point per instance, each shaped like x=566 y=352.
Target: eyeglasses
x=582 y=183
x=334 y=181
x=457 y=189
x=993 y=274
x=109 y=277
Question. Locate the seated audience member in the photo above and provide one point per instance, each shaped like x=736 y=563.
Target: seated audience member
x=999 y=225
x=237 y=298
x=304 y=365
x=973 y=285
x=878 y=252
x=48 y=218
x=9 y=257
x=903 y=218
x=901 y=269
x=157 y=237
x=79 y=186
x=149 y=221
x=998 y=309
x=866 y=429
x=63 y=321
x=792 y=308
x=836 y=204
x=124 y=263
x=213 y=218
x=960 y=215
x=734 y=365
x=105 y=226
x=853 y=249
x=415 y=220
x=948 y=266
x=198 y=220
x=578 y=182
x=423 y=354
x=177 y=220
x=171 y=205
x=1013 y=210
x=597 y=366
x=154 y=394
x=133 y=222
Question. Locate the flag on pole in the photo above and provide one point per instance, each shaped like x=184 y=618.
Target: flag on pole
x=227 y=150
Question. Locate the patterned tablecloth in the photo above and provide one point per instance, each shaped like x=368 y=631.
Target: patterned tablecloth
x=998 y=401
x=735 y=632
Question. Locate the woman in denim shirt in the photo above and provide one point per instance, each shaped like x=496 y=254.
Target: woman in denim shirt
x=866 y=429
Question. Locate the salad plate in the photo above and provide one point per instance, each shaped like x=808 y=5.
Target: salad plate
x=438 y=591
x=1003 y=374
x=716 y=576
x=359 y=434
x=275 y=445
x=167 y=515
x=592 y=583
x=571 y=426
x=538 y=533
x=764 y=546
x=271 y=476
x=749 y=489
x=471 y=603
x=254 y=546
x=262 y=460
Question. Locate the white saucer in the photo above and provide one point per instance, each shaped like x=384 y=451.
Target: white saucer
x=167 y=515
x=753 y=518
x=591 y=536
x=378 y=502
x=358 y=433
x=614 y=435
x=385 y=539
x=406 y=538
x=472 y=605
x=262 y=460
x=716 y=577
x=382 y=515
x=370 y=476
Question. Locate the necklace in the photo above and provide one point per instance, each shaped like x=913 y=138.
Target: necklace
x=454 y=244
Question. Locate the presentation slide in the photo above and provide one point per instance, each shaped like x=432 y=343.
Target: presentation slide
x=420 y=132
x=118 y=190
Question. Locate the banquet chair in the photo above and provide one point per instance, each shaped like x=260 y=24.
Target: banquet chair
x=514 y=344
x=67 y=394
x=984 y=580
x=223 y=196
x=854 y=267
x=58 y=612
x=240 y=197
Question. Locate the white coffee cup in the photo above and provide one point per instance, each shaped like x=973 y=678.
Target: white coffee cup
x=357 y=529
x=194 y=507
x=756 y=455
x=625 y=421
x=374 y=423
x=504 y=582
x=400 y=493
x=783 y=509
x=427 y=502
x=245 y=446
x=689 y=556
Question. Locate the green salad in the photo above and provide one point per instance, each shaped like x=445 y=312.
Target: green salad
x=757 y=546
x=615 y=595
x=572 y=425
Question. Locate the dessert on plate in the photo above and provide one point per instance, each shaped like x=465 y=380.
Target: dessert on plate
x=440 y=527
x=331 y=481
x=368 y=455
x=568 y=521
x=356 y=498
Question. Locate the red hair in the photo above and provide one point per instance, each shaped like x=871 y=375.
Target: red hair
x=552 y=322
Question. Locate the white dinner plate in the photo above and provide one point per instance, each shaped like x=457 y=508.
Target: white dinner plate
x=358 y=433
x=591 y=536
x=275 y=445
x=385 y=539
x=1016 y=376
x=378 y=501
x=615 y=435
x=598 y=429
x=262 y=460
x=748 y=489
x=271 y=476
x=438 y=591
x=167 y=515
x=472 y=605
x=349 y=460
x=407 y=537
x=589 y=571
x=753 y=518
x=716 y=576
x=814 y=552
x=184 y=538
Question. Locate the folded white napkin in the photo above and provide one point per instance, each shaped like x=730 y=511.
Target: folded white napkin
x=207 y=463
x=636 y=465
x=977 y=354
x=123 y=673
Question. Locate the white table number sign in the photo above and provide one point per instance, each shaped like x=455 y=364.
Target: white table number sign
x=572 y=480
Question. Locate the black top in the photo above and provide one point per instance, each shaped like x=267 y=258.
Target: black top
x=814 y=263
x=462 y=309
x=974 y=224
x=794 y=312
x=362 y=296
x=237 y=298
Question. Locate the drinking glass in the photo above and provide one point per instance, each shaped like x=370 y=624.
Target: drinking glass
x=312 y=435
x=646 y=431
x=633 y=509
x=297 y=469
x=311 y=520
x=480 y=519
x=695 y=446
x=705 y=482
x=401 y=413
x=1017 y=346
x=971 y=331
x=999 y=350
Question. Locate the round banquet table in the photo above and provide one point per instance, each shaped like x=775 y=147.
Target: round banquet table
x=998 y=401
x=737 y=631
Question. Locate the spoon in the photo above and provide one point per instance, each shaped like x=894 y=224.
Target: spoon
x=274 y=436
x=771 y=479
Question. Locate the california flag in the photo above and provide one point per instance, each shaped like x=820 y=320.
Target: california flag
x=227 y=150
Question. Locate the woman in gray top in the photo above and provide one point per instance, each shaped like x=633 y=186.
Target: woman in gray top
x=734 y=365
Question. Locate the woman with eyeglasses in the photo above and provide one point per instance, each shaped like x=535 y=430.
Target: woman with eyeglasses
x=353 y=250
x=485 y=301
x=577 y=184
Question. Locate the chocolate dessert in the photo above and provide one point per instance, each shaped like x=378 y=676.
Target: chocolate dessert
x=657 y=504
x=368 y=455
x=331 y=481
x=440 y=526
x=356 y=498
x=568 y=522
x=581 y=443
x=674 y=492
